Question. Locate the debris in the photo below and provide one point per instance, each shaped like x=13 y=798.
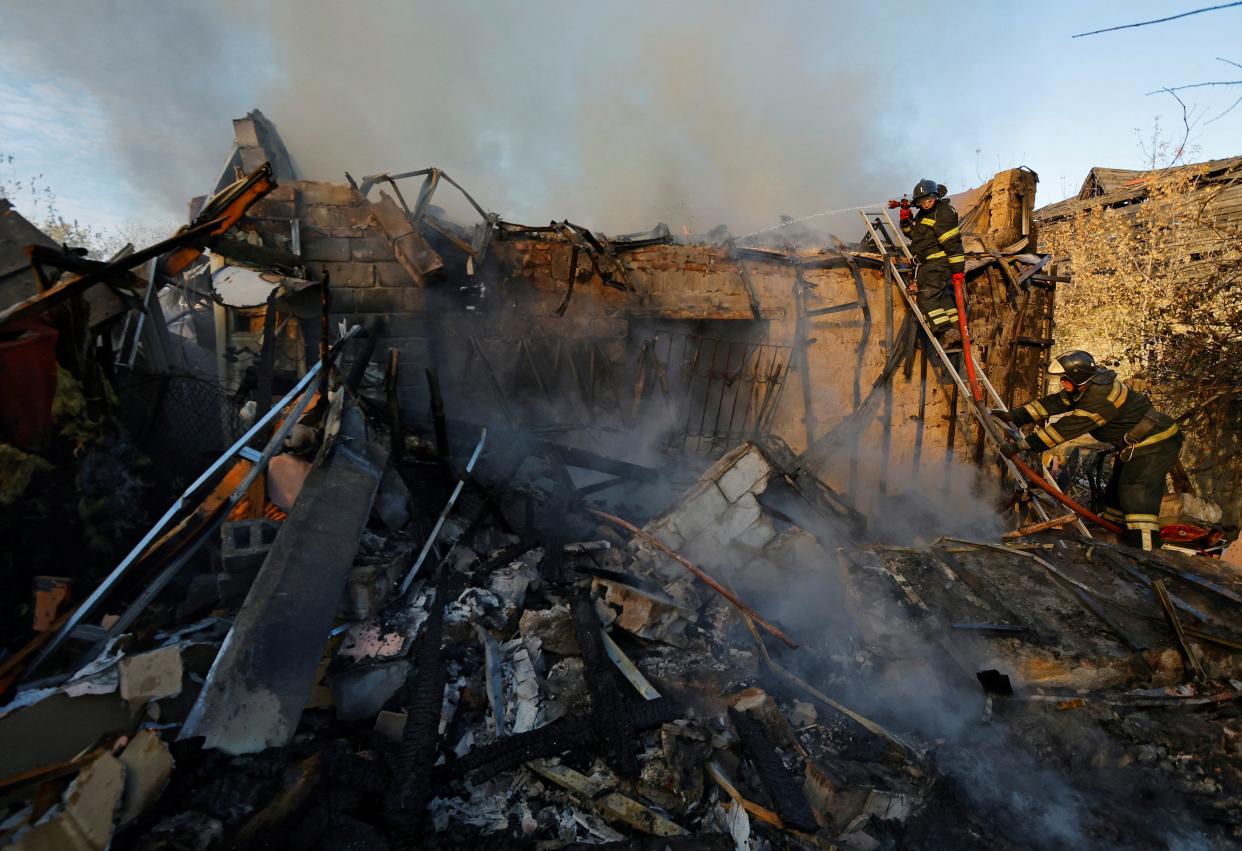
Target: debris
x=359 y=692
x=148 y=765
x=259 y=683
x=83 y=819
x=551 y=630
x=697 y=571
x=150 y=676
x=613 y=805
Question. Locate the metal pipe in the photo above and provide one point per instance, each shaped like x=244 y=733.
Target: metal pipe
x=448 y=507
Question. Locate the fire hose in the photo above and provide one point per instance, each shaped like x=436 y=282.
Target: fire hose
x=960 y=297
x=1011 y=452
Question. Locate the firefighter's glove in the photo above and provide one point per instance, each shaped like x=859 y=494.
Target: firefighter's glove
x=1003 y=416
x=906 y=214
x=1008 y=448
x=959 y=279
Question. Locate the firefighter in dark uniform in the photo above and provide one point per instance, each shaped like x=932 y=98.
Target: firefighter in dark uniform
x=1094 y=401
x=936 y=242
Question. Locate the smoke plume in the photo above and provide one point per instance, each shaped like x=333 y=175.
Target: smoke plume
x=613 y=115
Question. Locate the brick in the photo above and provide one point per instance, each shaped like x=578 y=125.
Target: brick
x=347 y=274
x=744 y=475
x=151 y=675
x=381 y=300
x=283 y=192
x=390 y=273
x=408 y=244
x=412 y=325
x=332 y=249
x=344 y=301
x=330 y=194
x=272 y=209
x=333 y=221
x=244 y=133
x=372 y=248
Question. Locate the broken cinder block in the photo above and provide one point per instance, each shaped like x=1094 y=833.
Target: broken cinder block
x=245 y=543
x=150 y=676
x=412 y=251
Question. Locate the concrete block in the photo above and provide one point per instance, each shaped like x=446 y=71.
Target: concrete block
x=371 y=248
x=329 y=194
x=390 y=273
x=758 y=535
x=84 y=817
x=283 y=192
x=665 y=529
x=388 y=300
x=347 y=274
x=148 y=765
x=737 y=519
x=744 y=476
x=272 y=209
x=700 y=509
x=245 y=543
x=153 y=675
x=390 y=725
x=245 y=135
x=333 y=221
x=412 y=251
x=327 y=249
x=553 y=628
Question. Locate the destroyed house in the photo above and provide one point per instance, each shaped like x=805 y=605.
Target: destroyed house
x=460 y=535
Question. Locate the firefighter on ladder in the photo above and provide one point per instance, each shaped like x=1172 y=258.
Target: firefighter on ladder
x=1094 y=401
x=931 y=225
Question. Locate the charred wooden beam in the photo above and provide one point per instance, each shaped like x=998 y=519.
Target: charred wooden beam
x=782 y=786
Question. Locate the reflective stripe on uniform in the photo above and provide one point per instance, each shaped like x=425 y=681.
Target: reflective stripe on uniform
x=929 y=222
x=960 y=258
x=1113 y=514
x=1039 y=408
x=934 y=256
x=949 y=234
x=1143 y=521
x=1157 y=437
x=1049 y=435
x=1091 y=415
x=1117 y=397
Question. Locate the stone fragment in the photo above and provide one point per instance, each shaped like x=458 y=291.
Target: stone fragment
x=83 y=820
x=150 y=676
x=390 y=725
x=746 y=475
x=148 y=765
x=553 y=628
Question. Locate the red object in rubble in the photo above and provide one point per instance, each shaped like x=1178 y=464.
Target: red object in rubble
x=1185 y=533
x=28 y=379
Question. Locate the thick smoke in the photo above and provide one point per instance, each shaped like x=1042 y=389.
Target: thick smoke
x=613 y=115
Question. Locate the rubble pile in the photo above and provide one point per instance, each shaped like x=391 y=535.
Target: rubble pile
x=570 y=679
x=280 y=589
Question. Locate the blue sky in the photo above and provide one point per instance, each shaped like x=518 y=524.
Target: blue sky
x=612 y=114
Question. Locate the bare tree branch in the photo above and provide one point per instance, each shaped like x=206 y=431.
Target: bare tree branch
x=1161 y=20
x=1197 y=86
x=1226 y=112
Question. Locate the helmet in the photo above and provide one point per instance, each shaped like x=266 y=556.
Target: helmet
x=1075 y=365
x=927 y=187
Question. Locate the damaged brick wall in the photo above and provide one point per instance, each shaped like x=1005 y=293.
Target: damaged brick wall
x=610 y=357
